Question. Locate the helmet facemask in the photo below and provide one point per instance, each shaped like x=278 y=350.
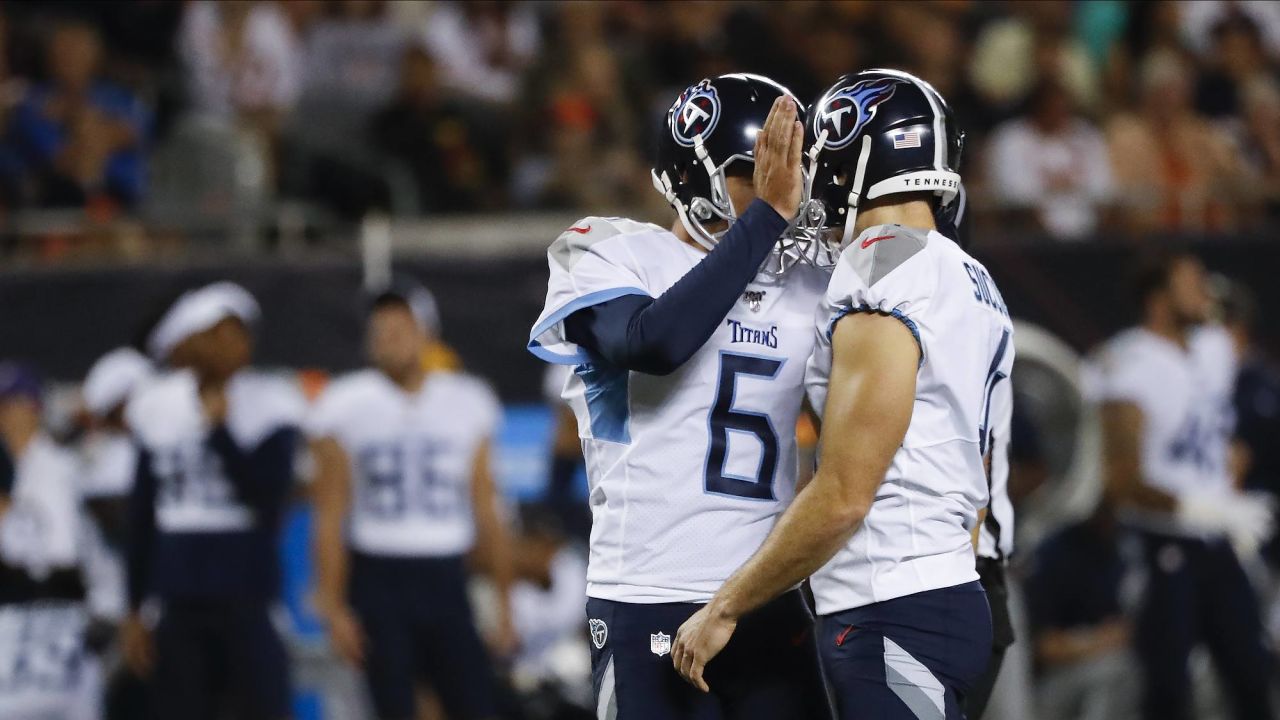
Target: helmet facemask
x=810 y=239
x=702 y=211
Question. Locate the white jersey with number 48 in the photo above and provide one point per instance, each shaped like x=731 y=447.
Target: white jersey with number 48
x=688 y=471
x=1187 y=416
x=917 y=535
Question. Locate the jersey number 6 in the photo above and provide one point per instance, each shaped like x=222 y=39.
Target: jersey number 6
x=724 y=419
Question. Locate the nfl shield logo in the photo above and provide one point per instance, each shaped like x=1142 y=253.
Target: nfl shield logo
x=660 y=644
x=599 y=632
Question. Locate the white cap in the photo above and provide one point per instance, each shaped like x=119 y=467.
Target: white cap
x=113 y=378
x=198 y=310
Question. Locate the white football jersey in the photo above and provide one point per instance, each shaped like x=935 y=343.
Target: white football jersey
x=110 y=465
x=193 y=494
x=917 y=535
x=995 y=537
x=42 y=529
x=412 y=458
x=687 y=471
x=1185 y=397
x=45 y=669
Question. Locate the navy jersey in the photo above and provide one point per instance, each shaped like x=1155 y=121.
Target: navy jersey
x=207 y=500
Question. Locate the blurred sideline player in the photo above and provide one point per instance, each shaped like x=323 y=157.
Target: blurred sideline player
x=217 y=446
x=688 y=363
x=110 y=455
x=1256 y=402
x=403 y=492
x=1166 y=389
x=110 y=461
x=48 y=551
x=913 y=340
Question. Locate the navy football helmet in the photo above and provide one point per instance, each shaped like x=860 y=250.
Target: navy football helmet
x=711 y=126
x=871 y=134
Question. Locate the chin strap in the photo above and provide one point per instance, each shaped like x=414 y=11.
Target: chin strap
x=855 y=193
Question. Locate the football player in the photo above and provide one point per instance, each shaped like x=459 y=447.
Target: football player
x=217 y=446
x=110 y=456
x=688 y=347
x=403 y=491
x=48 y=553
x=913 y=339
x=1166 y=390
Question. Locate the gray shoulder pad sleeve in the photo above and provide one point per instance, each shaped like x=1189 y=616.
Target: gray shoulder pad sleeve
x=879 y=250
x=574 y=242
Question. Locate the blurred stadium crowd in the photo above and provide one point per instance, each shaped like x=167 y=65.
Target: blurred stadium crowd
x=1088 y=118
x=144 y=130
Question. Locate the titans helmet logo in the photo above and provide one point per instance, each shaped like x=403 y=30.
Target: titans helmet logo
x=695 y=113
x=846 y=111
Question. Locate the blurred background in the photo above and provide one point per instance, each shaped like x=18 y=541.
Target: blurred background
x=307 y=149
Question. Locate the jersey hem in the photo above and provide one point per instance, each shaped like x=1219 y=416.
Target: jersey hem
x=645 y=595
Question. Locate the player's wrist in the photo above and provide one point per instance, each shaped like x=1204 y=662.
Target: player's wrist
x=779 y=209
x=330 y=609
x=724 y=607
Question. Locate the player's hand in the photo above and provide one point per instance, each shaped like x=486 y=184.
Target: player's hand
x=700 y=639
x=504 y=641
x=136 y=646
x=777 y=155
x=213 y=400
x=346 y=637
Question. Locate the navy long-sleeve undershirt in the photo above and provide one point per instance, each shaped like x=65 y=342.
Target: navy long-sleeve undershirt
x=658 y=335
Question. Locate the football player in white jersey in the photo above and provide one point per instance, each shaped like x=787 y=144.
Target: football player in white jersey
x=913 y=338
x=50 y=579
x=109 y=455
x=403 y=493
x=688 y=347
x=1166 y=389
x=217 y=444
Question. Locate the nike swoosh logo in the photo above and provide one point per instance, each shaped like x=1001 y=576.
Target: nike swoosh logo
x=580 y=230
x=872 y=241
x=843 y=635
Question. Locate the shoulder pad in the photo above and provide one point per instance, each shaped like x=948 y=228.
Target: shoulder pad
x=881 y=249
x=576 y=240
x=351 y=382
x=473 y=385
x=259 y=404
x=164 y=408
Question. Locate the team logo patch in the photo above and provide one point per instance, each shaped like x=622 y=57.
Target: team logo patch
x=660 y=644
x=696 y=112
x=846 y=111
x=599 y=632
